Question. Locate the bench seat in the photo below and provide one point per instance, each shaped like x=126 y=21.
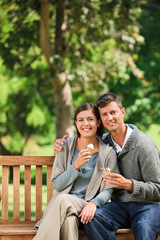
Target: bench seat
x=25 y=230
x=17 y=231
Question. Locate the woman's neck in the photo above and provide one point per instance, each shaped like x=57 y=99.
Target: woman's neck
x=83 y=142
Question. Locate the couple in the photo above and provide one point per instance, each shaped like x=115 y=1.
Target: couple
x=136 y=190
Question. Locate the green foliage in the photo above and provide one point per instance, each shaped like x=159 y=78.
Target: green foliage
x=149 y=57
x=104 y=47
x=26 y=109
x=108 y=46
x=36 y=117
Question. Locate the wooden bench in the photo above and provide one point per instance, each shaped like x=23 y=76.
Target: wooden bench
x=17 y=228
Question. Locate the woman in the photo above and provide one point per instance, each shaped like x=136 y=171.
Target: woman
x=77 y=175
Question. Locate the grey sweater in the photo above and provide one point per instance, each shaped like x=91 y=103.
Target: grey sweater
x=139 y=161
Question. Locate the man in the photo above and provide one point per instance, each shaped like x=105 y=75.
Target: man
x=136 y=199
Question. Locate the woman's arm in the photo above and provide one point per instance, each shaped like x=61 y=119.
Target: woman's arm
x=66 y=178
x=103 y=197
x=63 y=173
x=62 y=176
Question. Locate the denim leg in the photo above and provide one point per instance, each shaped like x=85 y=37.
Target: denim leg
x=145 y=219
x=106 y=221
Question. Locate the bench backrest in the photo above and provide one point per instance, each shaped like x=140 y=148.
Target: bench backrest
x=26 y=161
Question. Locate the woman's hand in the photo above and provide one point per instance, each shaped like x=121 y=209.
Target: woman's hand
x=83 y=157
x=88 y=212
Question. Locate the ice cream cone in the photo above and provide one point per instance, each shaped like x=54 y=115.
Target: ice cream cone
x=90 y=147
x=106 y=170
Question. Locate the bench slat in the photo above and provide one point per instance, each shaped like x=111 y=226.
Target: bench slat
x=16 y=193
x=27 y=184
x=25 y=160
x=38 y=192
x=49 y=184
x=5 y=175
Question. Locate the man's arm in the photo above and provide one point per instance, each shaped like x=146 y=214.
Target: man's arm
x=115 y=180
x=57 y=146
x=148 y=188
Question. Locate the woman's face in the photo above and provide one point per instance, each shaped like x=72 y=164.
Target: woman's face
x=87 y=123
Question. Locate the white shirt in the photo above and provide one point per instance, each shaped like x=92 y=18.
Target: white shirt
x=128 y=134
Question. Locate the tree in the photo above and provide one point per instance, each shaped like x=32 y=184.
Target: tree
x=55 y=60
x=84 y=46
x=149 y=58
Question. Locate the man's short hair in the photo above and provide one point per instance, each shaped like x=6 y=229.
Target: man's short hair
x=107 y=98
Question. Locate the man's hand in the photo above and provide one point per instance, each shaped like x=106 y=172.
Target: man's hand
x=115 y=180
x=57 y=146
x=88 y=212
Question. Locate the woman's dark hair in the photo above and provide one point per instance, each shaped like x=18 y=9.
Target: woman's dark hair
x=94 y=109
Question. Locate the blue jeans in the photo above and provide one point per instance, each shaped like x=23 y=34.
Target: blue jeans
x=142 y=218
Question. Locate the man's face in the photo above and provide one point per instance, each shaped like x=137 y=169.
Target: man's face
x=112 y=116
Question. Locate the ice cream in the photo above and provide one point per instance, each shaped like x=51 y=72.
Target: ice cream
x=107 y=170
x=90 y=147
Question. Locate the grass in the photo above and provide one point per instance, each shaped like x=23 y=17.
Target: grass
x=33 y=193
x=45 y=150
x=154 y=133
x=33 y=201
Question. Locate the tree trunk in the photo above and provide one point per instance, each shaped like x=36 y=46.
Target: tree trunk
x=63 y=106
x=62 y=90
x=4 y=151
